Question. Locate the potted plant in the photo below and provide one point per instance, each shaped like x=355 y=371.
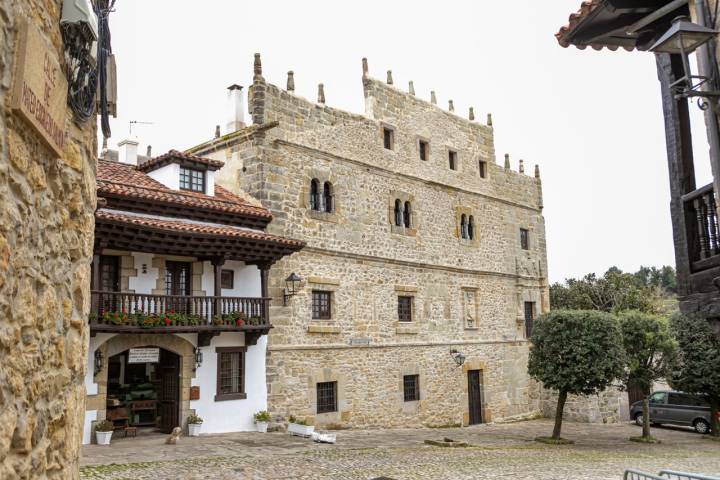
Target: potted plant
x=103 y=432
x=299 y=427
x=194 y=424
x=262 y=419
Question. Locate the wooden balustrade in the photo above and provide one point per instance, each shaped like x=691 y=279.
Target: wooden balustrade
x=703 y=234
x=193 y=311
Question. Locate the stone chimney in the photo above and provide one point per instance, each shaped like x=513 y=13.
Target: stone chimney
x=236 y=105
x=128 y=152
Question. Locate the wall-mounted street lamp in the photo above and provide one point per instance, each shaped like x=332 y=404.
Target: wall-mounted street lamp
x=98 y=364
x=198 y=357
x=683 y=38
x=457 y=356
x=291 y=285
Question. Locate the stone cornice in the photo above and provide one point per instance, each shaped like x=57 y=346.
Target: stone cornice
x=342 y=346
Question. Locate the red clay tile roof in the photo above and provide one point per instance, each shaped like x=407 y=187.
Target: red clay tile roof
x=175 y=155
x=194 y=228
x=124 y=180
x=586 y=8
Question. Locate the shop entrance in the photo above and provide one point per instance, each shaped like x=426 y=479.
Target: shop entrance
x=143 y=389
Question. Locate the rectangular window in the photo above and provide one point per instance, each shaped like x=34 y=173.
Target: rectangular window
x=411 y=388
x=326 y=397
x=424 y=150
x=524 y=239
x=388 y=138
x=452 y=158
x=529 y=318
x=405 y=309
x=482 y=168
x=193 y=180
x=227 y=279
x=321 y=305
x=230 y=373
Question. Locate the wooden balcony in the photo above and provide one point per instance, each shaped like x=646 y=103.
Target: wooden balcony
x=124 y=312
x=703 y=234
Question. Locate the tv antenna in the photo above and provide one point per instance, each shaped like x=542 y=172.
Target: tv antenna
x=138 y=122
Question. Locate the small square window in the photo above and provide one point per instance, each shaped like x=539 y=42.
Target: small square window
x=482 y=168
x=388 y=138
x=193 y=180
x=326 y=397
x=524 y=239
x=405 y=309
x=227 y=279
x=452 y=159
x=321 y=302
x=411 y=388
x=424 y=148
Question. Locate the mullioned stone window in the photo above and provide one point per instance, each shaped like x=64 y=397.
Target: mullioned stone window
x=320 y=196
x=401 y=214
x=466 y=228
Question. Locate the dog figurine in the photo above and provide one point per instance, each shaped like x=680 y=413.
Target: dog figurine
x=173 y=438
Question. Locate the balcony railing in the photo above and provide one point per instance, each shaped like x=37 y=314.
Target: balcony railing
x=123 y=311
x=703 y=235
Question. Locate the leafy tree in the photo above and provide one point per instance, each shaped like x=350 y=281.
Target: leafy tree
x=575 y=352
x=649 y=351
x=697 y=369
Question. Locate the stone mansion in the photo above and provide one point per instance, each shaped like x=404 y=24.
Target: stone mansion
x=425 y=262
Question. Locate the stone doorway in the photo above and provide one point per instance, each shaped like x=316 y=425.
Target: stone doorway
x=475 y=395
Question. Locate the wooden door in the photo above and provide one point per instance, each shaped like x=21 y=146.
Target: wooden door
x=177 y=282
x=169 y=391
x=475 y=395
x=109 y=282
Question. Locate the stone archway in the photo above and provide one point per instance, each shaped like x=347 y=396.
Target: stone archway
x=173 y=343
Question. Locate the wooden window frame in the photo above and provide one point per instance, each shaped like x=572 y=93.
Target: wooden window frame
x=411 y=393
x=321 y=315
x=401 y=317
x=326 y=407
x=224 y=274
x=524 y=239
x=219 y=396
x=189 y=175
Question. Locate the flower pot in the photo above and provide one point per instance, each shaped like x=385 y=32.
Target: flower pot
x=194 y=429
x=103 y=438
x=261 y=426
x=301 y=430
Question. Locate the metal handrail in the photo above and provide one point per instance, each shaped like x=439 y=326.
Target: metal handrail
x=686 y=475
x=632 y=474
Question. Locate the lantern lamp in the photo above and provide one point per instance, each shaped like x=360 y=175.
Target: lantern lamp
x=291 y=284
x=458 y=357
x=98 y=361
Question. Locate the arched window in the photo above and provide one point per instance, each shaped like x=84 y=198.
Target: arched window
x=328 y=197
x=407 y=215
x=398 y=213
x=471 y=227
x=314 y=194
x=463 y=226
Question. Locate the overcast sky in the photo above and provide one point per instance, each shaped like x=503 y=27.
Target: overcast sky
x=591 y=120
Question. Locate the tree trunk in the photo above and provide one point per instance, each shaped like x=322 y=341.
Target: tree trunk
x=714 y=418
x=646 y=417
x=559 y=414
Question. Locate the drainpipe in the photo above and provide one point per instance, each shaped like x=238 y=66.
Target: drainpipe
x=707 y=67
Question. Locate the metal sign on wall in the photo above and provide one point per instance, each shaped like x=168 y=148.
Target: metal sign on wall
x=144 y=355
x=39 y=91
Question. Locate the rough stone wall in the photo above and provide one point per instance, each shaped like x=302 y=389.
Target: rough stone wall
x=46 y=241
x=609 y=406
x=466 y=294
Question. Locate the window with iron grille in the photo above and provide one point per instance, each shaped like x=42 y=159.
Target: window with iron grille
x=230 y=373
x=452 y=159
x=405 y=309
x=321 y=302
x=193 y=180
x=326 y=397
x=529 y=318
x=524 y=239
x=411 y=388
x=227 y=279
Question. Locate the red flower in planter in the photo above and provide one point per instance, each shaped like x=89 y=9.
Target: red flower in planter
x=167 y=321
x=239 y=322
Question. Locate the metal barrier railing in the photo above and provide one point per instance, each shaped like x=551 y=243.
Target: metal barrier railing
x=632 y=474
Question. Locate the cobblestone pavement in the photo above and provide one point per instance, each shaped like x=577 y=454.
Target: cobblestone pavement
x=497 y=452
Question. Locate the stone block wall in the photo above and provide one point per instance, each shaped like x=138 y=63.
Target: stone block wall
x=46 y=241
x=609 y=406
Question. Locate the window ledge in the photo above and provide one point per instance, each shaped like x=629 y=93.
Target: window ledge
x=407 y=329
x=230 y=396
x=323 y=329
x=472 y=328
x=323 y=216
x=469 y=243
x=408 y=232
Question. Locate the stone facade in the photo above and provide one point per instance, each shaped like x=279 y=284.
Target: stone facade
x=466 y=294
x=46 y=241
x=609 y=406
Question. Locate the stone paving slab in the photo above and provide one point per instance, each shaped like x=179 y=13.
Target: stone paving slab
x=498 y=452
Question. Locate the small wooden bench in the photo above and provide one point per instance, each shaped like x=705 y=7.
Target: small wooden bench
x=130 y=431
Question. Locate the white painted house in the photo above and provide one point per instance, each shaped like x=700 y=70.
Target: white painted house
x=180 y=307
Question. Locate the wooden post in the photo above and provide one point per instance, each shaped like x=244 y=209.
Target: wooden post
x=217 y=263
x=264 y=291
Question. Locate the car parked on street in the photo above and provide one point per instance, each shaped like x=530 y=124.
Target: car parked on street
x=675 y=408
